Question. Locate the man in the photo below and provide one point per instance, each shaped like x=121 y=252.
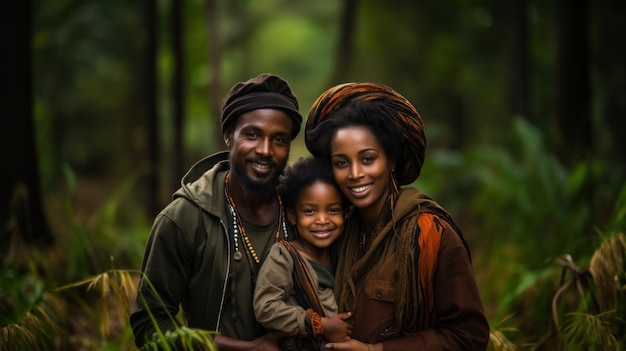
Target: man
x=207 y=245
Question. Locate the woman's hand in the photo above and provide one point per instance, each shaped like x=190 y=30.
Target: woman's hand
x=336 y=329
x=350 y=345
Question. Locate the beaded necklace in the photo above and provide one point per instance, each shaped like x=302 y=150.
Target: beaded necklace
x=238 y=228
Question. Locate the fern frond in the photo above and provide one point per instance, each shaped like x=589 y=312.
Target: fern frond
x=583 y=331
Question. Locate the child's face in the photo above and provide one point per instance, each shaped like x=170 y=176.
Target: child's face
x=318 y=214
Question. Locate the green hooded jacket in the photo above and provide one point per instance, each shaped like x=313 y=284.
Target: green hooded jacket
x=188 y=259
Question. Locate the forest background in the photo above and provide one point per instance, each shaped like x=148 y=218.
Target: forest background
x=108 y=103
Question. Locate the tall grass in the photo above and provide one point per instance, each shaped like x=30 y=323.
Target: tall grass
x=71 y=296
x=31 y=324
x=28 y=319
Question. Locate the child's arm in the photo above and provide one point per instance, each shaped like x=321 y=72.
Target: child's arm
x=272 y=306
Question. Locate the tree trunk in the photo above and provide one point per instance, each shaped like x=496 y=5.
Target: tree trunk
x=215 y=94
x=521 y=66
x=573 y=111
x=345 y=45
x=609 y=61
x=178 y=91
x=21 y=208
x=152 y=116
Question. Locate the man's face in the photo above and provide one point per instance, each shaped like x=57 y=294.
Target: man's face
x=259 y=143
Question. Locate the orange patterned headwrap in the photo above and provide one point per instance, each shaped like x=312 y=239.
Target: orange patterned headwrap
x=411 y=159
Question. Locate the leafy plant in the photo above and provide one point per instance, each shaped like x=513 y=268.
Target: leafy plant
x=526 y=210
x=584 y=331
x=115 y=290
x=182 y=338
x=498 y=340
x=525 y=195
x=111 y=231
x=28 y=320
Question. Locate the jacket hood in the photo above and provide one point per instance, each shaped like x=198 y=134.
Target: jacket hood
x=203 y=184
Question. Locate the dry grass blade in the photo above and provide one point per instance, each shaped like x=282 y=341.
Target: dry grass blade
x=101 y=280
x=34 y=329
x=115 y=290
x=17 y=337
x=499 y=342
x=127 y=283
x=607 y=267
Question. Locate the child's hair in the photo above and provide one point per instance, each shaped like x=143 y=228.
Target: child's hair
x=302 y=173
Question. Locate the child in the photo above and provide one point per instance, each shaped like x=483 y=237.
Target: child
x=294 y=288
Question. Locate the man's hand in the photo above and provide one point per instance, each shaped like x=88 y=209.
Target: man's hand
x=267 y=342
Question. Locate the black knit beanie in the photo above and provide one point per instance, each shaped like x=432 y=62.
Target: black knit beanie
x=263 y=91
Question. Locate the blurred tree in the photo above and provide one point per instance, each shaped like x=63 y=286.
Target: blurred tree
x=178 y=89
x=521 y=64
x=152 y=115
x=21 y=207
x=215 y=54
x=573 y=91
x=345 y=44
x=609 y=77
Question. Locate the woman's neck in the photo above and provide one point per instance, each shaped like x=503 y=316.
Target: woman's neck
x=370 y=216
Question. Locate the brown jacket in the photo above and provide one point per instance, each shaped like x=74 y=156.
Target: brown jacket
x=455 y=319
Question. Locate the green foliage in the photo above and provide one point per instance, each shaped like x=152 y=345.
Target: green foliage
x=499 y=340
x=27 y=319
x=519 y=194
x=86 y=84
x=34 y=315
x=588 y=332
x=29 y=322
x=182 y=338
x=540 y=197
x=87 y=313
x=113 y=230
x=617 y=222
x=115 y=289
x=527 y=211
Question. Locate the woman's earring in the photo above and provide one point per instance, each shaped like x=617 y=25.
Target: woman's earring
x=394 y=182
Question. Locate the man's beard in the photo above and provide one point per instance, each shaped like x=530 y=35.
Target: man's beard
x=250 y=186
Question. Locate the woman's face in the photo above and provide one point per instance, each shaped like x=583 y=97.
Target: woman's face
x=361 y=168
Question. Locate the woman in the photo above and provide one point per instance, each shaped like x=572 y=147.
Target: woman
x=404 y=269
